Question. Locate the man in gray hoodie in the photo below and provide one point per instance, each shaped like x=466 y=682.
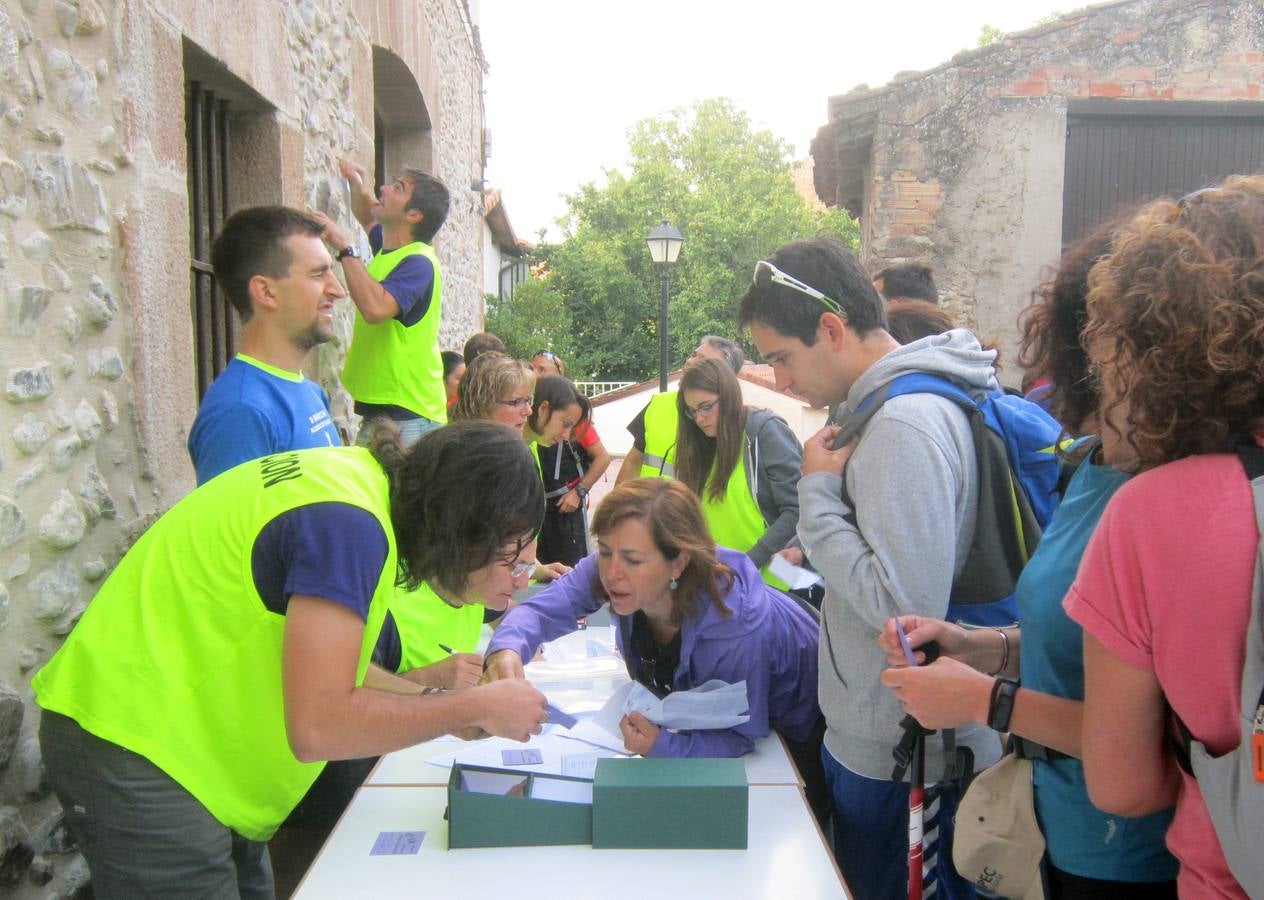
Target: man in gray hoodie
x=887 y=519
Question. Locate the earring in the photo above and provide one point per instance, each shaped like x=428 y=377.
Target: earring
x=673 y=584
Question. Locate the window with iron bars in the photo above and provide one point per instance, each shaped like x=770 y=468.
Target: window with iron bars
x=214 y=325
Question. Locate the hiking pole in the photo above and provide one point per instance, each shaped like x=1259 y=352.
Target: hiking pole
x=910 y=755
x=917 y=794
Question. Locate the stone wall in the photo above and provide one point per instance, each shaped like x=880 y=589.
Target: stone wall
x=965 y=161
x=95 y=326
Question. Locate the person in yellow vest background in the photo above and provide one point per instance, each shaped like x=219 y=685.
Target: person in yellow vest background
x=653 y=429
x=228 y=653
x=743 y=463
x=394 y=366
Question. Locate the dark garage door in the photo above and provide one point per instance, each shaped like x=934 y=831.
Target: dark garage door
x=1121 y=152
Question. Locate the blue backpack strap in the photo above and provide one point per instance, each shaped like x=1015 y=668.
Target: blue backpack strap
x=1006 y=528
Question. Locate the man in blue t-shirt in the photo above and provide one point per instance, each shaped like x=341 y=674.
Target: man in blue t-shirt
x=274 y=269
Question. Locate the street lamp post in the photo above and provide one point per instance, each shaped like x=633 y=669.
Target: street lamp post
x=664 y=243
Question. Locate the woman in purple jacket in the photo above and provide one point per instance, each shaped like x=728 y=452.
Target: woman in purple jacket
x=685 y=612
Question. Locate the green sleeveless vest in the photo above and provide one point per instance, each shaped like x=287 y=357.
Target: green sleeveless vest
x=661 y=421
x=427 y=623
x=388 y=364
x=178 y=660
x=736 y=522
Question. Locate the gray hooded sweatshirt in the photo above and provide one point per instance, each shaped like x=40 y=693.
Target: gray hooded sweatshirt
x=894 y=546
x=774 y=461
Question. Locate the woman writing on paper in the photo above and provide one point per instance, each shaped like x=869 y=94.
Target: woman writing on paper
x=685 y=612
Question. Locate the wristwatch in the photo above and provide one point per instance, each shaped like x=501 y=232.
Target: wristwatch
x=581 y=491
x=347 y=251
x=1001 y=705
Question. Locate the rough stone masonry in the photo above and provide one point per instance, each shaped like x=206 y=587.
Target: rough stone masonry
x=96 y=341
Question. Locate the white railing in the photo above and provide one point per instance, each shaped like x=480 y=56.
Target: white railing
x=597 y=388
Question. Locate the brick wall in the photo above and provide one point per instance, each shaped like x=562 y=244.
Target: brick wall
x=965 y=165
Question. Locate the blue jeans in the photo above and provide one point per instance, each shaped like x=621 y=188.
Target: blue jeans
x=409 y=430
x=871 y=821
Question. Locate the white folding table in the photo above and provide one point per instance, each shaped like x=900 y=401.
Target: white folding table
x=786 y=857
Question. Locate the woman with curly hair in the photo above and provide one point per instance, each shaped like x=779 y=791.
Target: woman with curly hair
x=1176 y=329
x=1088 y=853
x=495 y=387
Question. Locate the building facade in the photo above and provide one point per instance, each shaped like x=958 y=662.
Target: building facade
x=987 y=166
x=129 y=129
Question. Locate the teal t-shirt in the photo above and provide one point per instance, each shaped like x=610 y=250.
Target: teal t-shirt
x=1081 y=839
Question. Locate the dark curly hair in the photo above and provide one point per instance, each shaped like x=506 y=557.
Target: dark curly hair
x=1052 y=327
x=458 y=497
x=1176 y=318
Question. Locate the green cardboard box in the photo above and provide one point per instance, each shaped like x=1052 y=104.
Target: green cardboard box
x=510 y=808
x=670 y=804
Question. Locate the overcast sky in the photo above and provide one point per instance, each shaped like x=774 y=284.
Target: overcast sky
x=569 y=77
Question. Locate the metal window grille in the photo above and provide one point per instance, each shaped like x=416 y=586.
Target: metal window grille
x=214 y=326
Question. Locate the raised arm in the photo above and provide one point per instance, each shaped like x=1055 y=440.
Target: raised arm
x=362 y=198
x=374 y=301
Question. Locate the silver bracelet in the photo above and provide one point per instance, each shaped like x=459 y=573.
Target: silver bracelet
x=1004 y=651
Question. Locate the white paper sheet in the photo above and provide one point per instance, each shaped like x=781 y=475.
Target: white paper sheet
x=493 y=783
x=713 y=704
x=796 y=577
x=555 y=747
x=564 y=791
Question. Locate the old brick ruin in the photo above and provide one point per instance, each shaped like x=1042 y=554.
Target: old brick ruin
x=964 y=165
x=96 y=336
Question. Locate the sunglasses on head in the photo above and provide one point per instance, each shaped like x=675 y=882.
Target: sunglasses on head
x=767 y=274
x=1190 y=199
x=547 y=354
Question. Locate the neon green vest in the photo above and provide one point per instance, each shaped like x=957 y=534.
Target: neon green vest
x=425 y=622
x=178 y=660
x=661 y=421
x=388 y=364
x=736 y=521
x=535 y=451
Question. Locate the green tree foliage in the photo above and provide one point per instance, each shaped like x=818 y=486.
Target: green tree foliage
x=990 y=34
x=533 y=319
x=729 y=190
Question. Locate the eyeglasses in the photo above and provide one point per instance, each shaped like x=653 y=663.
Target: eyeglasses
x=521 y=569
x=516 y=402
x=547 y=354
x=701 y=409
x=766 y=273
